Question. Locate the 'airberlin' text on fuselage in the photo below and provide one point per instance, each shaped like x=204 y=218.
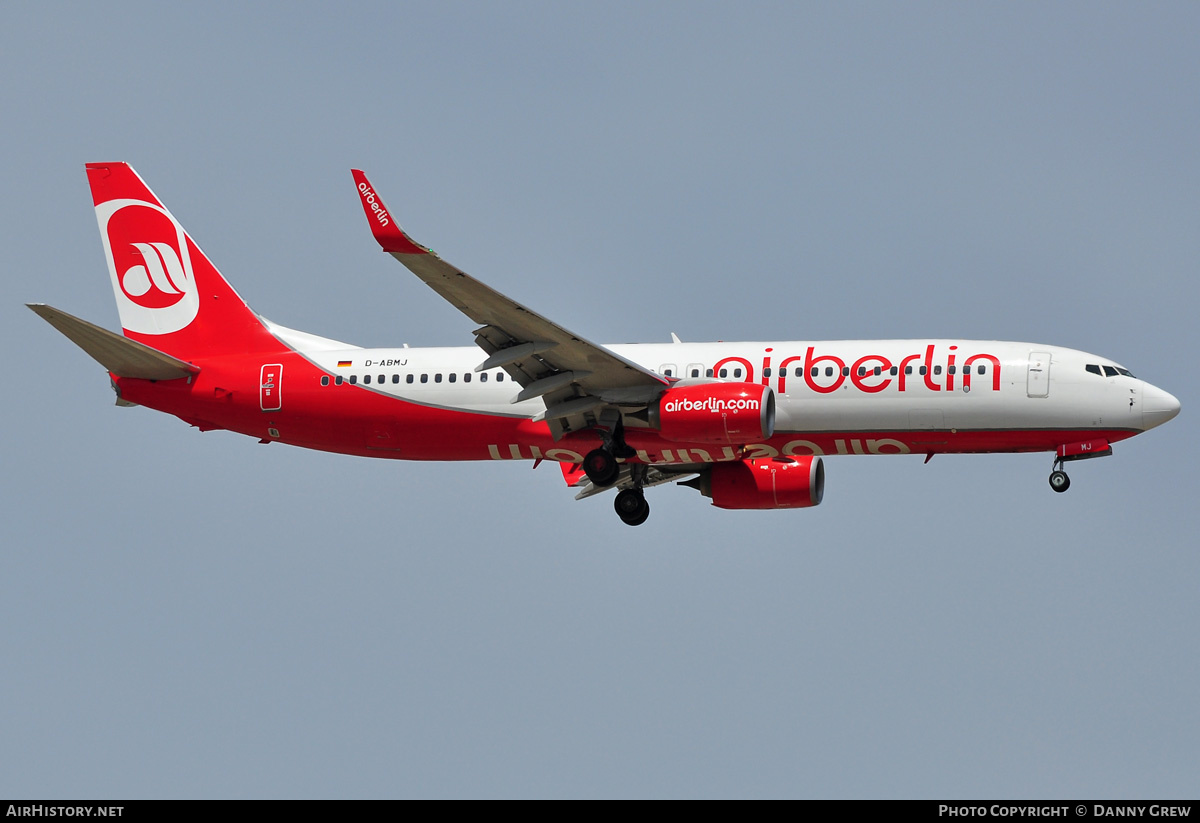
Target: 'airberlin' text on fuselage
x=826 y=373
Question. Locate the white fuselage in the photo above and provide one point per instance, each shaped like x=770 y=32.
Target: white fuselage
x=899 y=388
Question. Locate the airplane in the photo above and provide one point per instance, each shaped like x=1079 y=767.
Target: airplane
x=746 y=424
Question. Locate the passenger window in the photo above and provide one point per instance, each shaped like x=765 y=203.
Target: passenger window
x=767 y=371
x=895 y=370
x=923 y=370
x=951 y=369
x=737 y=372
x=708 y=373
x=908 y=369
x=483 y=377
x=337 y=381
x=408 y=378
x=367 y=379
x=425 y=378
x=396 y=377
x=878 y=370
x=800 y=372
x=325 y=380
x=383 y=378
x=467 y=377
x=453 y=376
x=862 y=371
x=437 y=378
x=695 y=372
x=500 y=377
x=937 y=369
x=845 y=371
x=981 y=369
x=353 y=379
x=1109 y=371
x=815 y=370
x=829 y=371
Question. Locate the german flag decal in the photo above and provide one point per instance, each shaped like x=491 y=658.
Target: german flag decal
x=344 y=364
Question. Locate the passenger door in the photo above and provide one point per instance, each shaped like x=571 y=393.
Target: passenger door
x=1038 y=383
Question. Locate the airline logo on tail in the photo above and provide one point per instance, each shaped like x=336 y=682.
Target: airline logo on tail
x=150 y=266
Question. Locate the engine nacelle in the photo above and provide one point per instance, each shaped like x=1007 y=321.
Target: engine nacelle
x=731 y=414
x=767 y=483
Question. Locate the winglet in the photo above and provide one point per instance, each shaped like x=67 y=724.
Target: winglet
x=383 y=226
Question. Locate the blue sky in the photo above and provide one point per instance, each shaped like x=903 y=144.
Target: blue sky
x=194 y=615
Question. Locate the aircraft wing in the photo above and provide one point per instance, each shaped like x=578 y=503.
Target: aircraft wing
x=575 y=377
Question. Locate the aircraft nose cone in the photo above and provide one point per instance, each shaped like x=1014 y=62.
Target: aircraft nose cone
x=1158 y=406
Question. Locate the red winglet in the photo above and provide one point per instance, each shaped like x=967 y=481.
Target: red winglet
x=383 y=226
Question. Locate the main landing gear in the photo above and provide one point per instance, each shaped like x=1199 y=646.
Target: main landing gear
x=1058 y=478
x=601 y=467
x=632 y=507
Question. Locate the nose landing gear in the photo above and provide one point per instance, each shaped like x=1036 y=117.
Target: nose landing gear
x=1083 y=450
x=1058 y=478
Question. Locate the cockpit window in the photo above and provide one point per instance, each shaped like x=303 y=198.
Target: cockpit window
x=1108 y=371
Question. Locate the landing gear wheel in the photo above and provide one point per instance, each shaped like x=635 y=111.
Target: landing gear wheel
x=601 y=468
x=1059 y=480
x=632 y=507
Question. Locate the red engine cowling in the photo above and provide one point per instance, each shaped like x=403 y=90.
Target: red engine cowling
x=769 y=483
x=732 y=414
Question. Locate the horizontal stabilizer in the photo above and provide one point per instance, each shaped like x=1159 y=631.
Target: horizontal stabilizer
x=120 y=355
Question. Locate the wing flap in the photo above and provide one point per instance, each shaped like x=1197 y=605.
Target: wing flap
x=654 y=476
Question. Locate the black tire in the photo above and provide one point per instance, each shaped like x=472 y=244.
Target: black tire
x=601 y=468
x=1059 y=481
x=641 y=517
x=631 y=507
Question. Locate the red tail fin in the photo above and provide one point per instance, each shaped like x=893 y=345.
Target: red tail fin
x=168 y=294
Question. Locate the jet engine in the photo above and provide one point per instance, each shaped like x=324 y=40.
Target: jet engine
x=731 y=414
x=768 y=483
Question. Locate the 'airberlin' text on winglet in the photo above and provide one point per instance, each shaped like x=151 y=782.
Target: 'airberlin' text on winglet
x=369 y=197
